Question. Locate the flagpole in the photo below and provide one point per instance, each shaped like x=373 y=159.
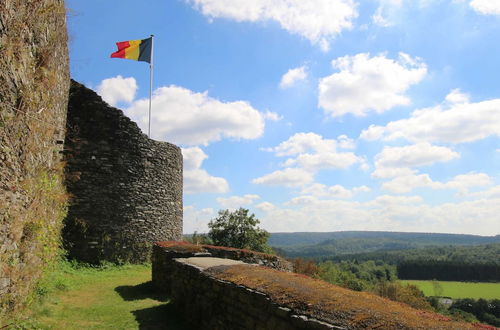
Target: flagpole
x=150 y=85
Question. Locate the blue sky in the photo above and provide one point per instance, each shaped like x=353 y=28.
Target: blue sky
x=317 y=115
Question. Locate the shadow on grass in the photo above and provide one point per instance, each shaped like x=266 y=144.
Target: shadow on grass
x=140 y=291
x=160 y=317
x=164 y=316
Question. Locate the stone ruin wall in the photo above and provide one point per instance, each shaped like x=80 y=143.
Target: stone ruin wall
x=34 y=83
x=274 y=298
x=126 y=188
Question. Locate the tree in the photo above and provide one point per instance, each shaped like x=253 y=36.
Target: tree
x=238 y=229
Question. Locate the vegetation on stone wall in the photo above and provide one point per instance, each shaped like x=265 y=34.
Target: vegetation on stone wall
x=34 y=81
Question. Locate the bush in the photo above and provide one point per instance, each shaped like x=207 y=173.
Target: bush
x=409 y=294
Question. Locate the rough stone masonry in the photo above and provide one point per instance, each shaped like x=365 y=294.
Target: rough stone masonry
x=126 y=188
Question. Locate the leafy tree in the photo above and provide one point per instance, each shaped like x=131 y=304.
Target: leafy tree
x=238 y=229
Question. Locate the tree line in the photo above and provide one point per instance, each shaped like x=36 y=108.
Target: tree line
x=448 y=271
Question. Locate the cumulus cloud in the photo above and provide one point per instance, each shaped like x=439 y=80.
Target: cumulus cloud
x=289 y=177
x=491 y=193
x=195 y=219
x=265 y=206
x=293 y=76
x=317 y=20
x=303 y=142
x=324 y=160
x=457 y=97
x=311 y=153
x=117 y=89
x=385 y=200
x=386 y=11
x=196 y=179
x=462 y=182
x=387 y=212
x=335 y=191
x=419 y=154
x=486 y=7
x=365 y=84
x=235 y=202
x=272 y=116
x=314 y=152
x=392 y=172
x=446 y=123
x=185 y=117
x=345 y=142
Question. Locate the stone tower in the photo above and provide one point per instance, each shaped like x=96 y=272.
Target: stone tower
x=126 y=188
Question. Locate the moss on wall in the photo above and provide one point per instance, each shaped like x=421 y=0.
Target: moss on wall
x=34 y=83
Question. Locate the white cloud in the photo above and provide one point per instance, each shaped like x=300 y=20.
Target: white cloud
x=272 y=116
x=196 y=219
x=185 y=117
x=367 y=84
x=391 y=172
x=196 y=179
x=361 y=189
x=446 y=123
x=457 y=97
x=304 y=142
x=117 y=89
x=335 y=191
x=491 y=193
x=386 y=12
x=317 y=20
x=345 y=142
x=462 y=182
x=389 y=213
x=293 y=76
x=289 y=177
x=486 y=7
x=313 y=152
x=324 y=160
x=265 y=206
x=386 y=200
x=235 y=202
x=419 y=154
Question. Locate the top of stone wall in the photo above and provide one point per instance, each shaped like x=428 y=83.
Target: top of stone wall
x=183 y=249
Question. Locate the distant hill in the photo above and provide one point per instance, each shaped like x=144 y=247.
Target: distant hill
x=353 y=242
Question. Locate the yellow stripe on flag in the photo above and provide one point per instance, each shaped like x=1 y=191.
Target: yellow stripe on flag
x=132 y=52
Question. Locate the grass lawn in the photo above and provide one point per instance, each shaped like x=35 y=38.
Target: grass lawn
x=460 y=289
x=114 y=297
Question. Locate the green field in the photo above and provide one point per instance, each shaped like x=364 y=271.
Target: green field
x=459 y=289
x=114 y=297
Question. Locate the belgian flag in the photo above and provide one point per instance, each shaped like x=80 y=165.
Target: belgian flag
x=139 y=50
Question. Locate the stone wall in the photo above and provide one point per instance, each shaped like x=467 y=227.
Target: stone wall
x=221 y=295
x=126 y=188
x=34 y=83
x=209 y=303
x=165 y=253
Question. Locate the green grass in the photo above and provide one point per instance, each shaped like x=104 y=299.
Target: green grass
x=460 y=289
x=110 y=297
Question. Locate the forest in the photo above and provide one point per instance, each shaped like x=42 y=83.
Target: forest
x=415 y=255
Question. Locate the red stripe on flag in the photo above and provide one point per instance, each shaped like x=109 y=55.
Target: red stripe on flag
x=120 y=53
